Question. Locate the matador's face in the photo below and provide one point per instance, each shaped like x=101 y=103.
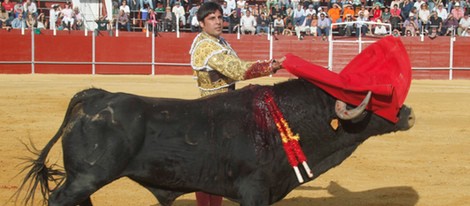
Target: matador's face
x=212 y=24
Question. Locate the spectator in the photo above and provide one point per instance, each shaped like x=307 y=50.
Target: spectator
x=304 y=27
x=324 y=25
x=314 y=26
x=395 y=2
x=41 y=22
x=231 y=4
x=4 y=19
x=364 y=11
x=234 y=22
x=30 y=8
x=169 y=20
x=435 y=25
x=423 y=15
x=349 y=26
x=386 y=15
x=18 y=8
x=123 y=21
x=288 y=18
x=299 y=15
x=278 y=25
x=53 y=16
x=262 y=23
x=78 y=19
x=347 y=10
x=125 y=8
x=152 y=21
x=30 y=21
x=310 y=11
x=450 y=25
x=276 y=11
x=192 y=14
x=226 y=11
x=270 y=4
x=248 y=23
x=405 y=8
x=441 y=12
x=103 y=25
x=411 y=26
x=320 y=11
x=179 y=12
x=380 y=29
x=457 y=11
x=376 y=12
x=464 y=25
x=361 y=26
x=18 y=22
x=9 y=7
x=67 y=16
x=134 y=7
x=418 y=4
x=356 y=3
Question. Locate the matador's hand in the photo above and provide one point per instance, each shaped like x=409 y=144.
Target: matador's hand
x=277 y=64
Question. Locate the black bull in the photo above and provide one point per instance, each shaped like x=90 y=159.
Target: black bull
x=225 y=144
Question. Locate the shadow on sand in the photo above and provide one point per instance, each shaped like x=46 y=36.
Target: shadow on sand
x=388 y=196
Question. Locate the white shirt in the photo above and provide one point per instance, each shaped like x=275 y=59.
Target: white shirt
x=178 y=10
x=442 y=13
x=126 y=9
x=248 y=21
x=232 y=4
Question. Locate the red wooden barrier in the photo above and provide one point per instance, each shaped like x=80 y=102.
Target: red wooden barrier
x=131 y=53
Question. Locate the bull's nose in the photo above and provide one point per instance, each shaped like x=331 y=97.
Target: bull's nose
x=411 y=118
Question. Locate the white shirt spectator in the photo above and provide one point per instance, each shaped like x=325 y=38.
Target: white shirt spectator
x=126 y=9
x=179 y=12
x=299 y=13
x=418 y=4
x=232 y=4
x=30 y=7
x=442 y=13
x=248 y=23
x=310 y=11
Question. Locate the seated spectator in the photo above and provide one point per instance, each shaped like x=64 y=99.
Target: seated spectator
x=386 y=15
x=18 y=22
x=324 y=25
x=123 y=21
x=41 y=21
x=169 y=20
x=179 y=12
x=361 y=26
x=376 y=12
x=67 y=16
x=9 y=7
x=334 y=13
x=349 y=26
x=30 y=8
x=152 y=21
x=423 y=18
x=347 y=11
x=278 y=25
x=304 y=27
x=78 y=19
x=457 y=11
x=4 y=19
x=464 y=25
x=30 y=21
x=299 y=15
x=262 y=23
x=395 y=17
x=103 y=25
x=380 y=29
x=226 y=12
x=450 y=24
x=234 y=22
x=411 y=26
x=18 y=9
x=195 y=24
x=53 y=16
x=248 y=23
x=435 y=25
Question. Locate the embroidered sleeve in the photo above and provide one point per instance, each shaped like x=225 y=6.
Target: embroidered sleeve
x=237 y=69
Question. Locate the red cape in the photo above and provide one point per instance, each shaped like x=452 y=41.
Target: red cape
x=383 y=68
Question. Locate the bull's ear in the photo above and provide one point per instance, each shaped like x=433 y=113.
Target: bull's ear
x=347 y=114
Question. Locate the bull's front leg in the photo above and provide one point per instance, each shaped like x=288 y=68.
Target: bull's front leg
x=253 y=192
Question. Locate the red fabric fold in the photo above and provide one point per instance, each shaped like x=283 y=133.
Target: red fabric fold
x=383 y=68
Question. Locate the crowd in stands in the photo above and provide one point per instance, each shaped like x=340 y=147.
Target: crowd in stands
x=282 y=17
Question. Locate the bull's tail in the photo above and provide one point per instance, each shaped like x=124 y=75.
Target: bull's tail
x=40 y=174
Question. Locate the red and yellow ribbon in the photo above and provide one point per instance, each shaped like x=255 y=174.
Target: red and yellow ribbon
x=290 y=142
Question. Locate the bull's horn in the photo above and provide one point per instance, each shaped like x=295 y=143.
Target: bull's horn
x=345 y=114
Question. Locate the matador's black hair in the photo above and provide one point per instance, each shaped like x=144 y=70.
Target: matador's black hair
x=208 y=8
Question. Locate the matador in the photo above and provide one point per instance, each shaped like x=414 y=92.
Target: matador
x=217 y=66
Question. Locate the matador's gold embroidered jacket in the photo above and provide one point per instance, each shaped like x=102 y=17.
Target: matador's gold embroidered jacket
x=217 y=67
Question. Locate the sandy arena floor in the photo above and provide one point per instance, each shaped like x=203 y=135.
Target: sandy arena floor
x=428 y=165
